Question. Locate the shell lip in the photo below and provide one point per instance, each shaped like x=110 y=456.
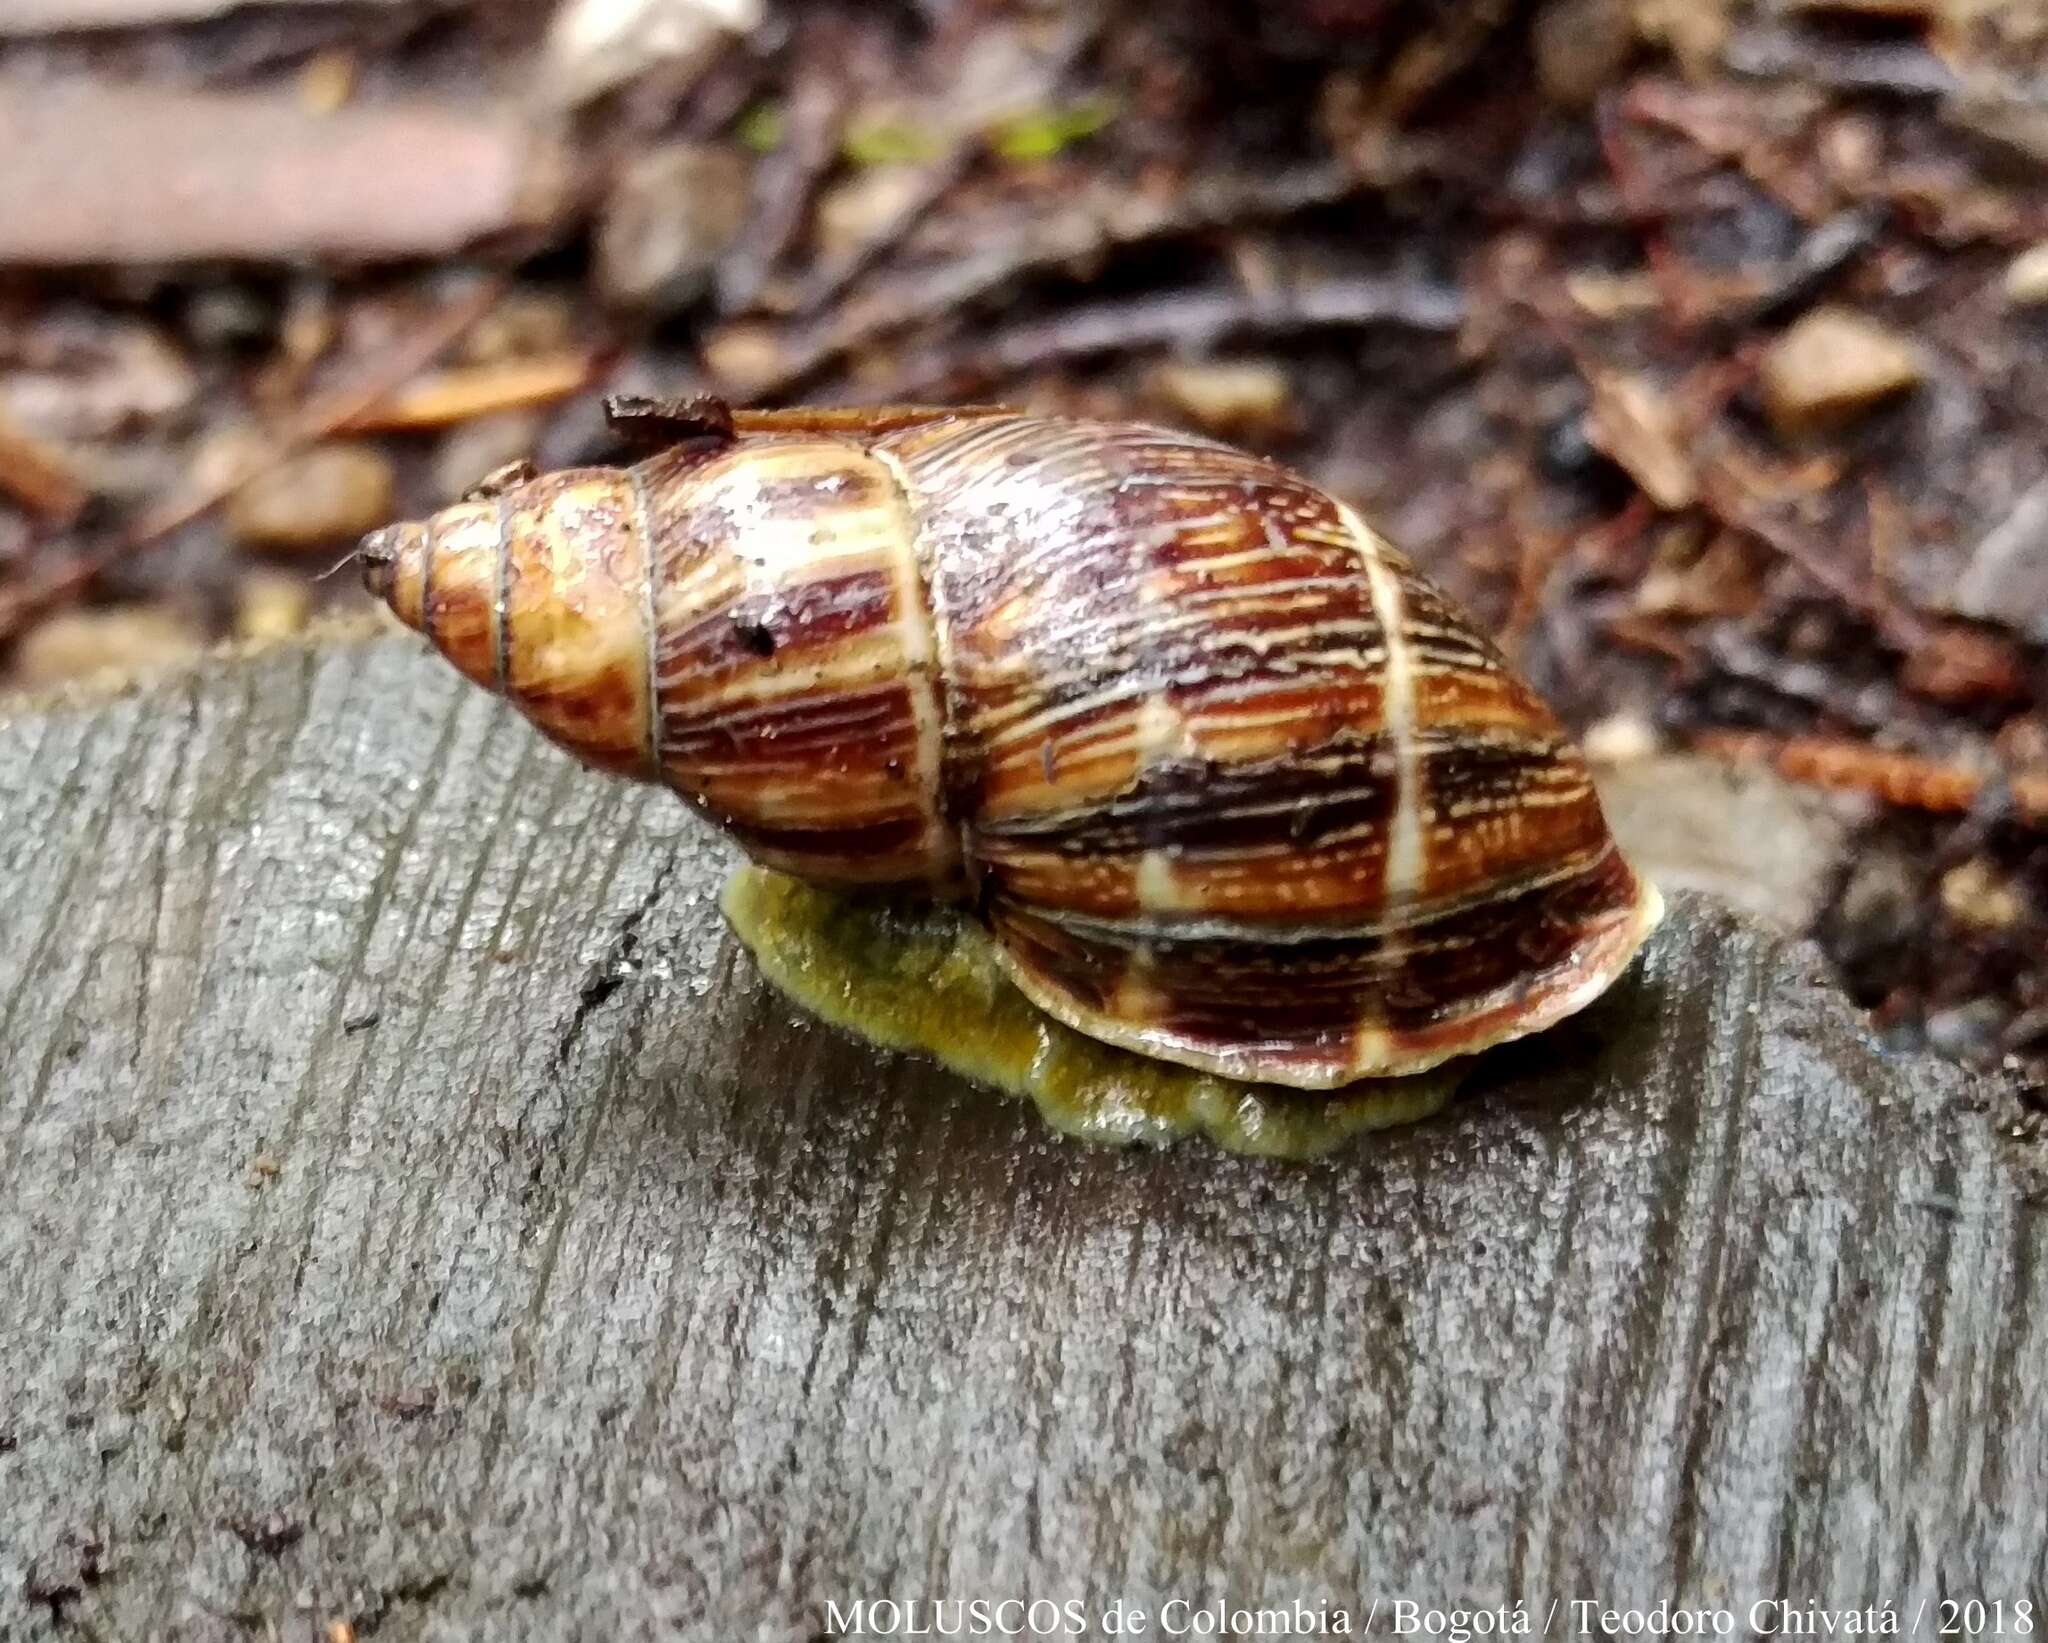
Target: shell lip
x=1592 y=970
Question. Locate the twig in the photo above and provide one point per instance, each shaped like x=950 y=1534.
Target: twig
x=1902 y=779
x=938 y=179
x=100 y=172
x=37 y=476
x=1738 y=654
x=1764 y=51
x=939 y=176
x=1195 y=320
x=314 y=422
x=1726 y=499
x=1097 y=224
x=1665 y=268
x=785 y=184
x=464 y=393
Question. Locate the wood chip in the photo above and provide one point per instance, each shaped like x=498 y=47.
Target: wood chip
x=39 y=476
x=1234 y=398
x=2026 y=278
x=2006 y=579
x=1832 y=367
x=463 y=392
x=1632 y=421
x=120 y=640
x=1744 y=834
x=101 y=174
x=329 y=494
x=671 y=214
x=271 y=604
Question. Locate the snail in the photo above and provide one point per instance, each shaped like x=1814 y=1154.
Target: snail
x=1227 y=781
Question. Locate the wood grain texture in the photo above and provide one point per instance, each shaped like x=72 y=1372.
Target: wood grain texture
x=411 y=1210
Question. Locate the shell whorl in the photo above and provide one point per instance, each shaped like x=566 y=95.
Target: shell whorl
x=1229 y=781
x=795 y=673
x=1239 y=787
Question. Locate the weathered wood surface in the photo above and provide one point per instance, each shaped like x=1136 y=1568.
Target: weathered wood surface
x=413 y=1210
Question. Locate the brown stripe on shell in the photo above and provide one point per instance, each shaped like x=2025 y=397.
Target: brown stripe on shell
x=820 y=762
x=405 y=591
x=1493 y=810
x=855 y=855
x=1165 y=668
x=1299 y=839
x=460 y=600
x=1501 y=790
x=1222 y=720
x=1063 y=586
x=794 y=662
x=1322 y=1012
x=794 y=623
x=574 y=635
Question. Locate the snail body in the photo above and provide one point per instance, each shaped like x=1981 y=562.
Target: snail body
x=1227 y=780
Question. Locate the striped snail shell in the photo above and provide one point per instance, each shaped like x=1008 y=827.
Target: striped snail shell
x=1229 y=783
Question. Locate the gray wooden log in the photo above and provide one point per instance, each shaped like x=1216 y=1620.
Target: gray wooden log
x=414 y=1211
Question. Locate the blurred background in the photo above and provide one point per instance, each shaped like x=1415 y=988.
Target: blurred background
x=1700 y=346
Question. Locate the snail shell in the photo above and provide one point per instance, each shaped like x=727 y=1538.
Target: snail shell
x=1228 y=781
